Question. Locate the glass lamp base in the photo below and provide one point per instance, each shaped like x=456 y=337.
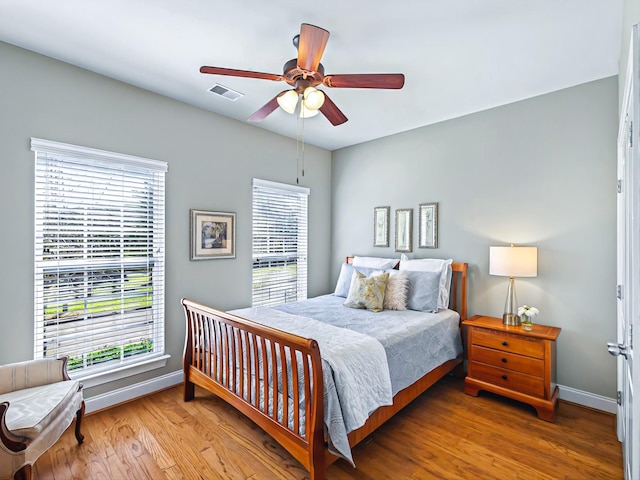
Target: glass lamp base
x=511 y=306
x=511 y=319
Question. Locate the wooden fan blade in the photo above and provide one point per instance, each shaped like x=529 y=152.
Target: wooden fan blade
x=311 y=46
x=365 y=80
x=266 y=109
x=332 y=112
x=240 y=73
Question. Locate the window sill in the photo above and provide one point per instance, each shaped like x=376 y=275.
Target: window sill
x=111 y=375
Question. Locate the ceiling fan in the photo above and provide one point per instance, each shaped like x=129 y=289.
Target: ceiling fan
x=304 y=74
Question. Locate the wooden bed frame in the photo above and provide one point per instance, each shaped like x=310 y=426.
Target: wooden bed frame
x=246 y=350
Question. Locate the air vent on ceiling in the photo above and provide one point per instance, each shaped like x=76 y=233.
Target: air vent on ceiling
x=226 y=92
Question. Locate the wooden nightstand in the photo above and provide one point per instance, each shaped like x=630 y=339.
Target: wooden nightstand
x=513 y=363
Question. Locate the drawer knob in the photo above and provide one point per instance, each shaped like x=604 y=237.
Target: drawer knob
x=504 y=344
x=504 y=377
x=504 y=360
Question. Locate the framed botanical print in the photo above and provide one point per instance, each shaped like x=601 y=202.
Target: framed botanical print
x=213 y=235
x=381 y=226
x=404 y=226
x=428 y=225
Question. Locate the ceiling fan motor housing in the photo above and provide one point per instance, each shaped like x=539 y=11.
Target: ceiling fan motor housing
x=300 y=78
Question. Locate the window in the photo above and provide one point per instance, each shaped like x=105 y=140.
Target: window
x=99 y=258
x=279 y=243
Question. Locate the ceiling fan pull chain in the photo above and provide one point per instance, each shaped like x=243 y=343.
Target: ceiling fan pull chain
x=297 y=149
x=302 y=141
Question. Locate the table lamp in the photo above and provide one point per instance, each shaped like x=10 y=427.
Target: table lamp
x=513 y=262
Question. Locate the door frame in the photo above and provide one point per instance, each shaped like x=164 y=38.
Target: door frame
x=628 y=262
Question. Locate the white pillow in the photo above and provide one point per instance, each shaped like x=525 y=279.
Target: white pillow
x=375 y=262
x=432 y=265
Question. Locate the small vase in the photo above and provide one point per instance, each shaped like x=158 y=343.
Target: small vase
x=527 y=325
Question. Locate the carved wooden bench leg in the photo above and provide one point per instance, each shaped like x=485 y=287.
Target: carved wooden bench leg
x=79 y=417
x=24 y=473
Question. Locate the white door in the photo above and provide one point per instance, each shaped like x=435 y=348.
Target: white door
x=628 y=265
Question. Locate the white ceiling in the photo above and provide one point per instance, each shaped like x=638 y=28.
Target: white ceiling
x=458 y=56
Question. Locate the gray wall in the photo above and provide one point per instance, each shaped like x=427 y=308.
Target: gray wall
x=212 y=161
x=538 y=172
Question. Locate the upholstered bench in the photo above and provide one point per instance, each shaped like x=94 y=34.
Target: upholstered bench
x=38 y=402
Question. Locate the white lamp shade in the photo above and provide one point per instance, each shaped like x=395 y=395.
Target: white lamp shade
x=513 y=261
x=288 y=101
x=313 y=98
x=306 y=112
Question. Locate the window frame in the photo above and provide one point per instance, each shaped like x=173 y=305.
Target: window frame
x=153 y=260
x=280 y=257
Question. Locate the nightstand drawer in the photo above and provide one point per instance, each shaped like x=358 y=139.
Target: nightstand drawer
x=508 y=379
x=509 y=361
x=507 y=342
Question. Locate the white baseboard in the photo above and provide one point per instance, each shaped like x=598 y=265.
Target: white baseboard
x=109 y=399
x=587 y=399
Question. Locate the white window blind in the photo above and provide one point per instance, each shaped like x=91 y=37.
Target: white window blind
x=279 y=243
x=99 y=257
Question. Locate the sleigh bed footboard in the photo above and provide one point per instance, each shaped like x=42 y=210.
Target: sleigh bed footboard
x=272 y=377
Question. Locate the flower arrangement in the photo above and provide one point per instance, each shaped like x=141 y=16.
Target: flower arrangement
x=527 y=313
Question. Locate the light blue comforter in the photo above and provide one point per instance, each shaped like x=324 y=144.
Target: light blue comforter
x=355 y=371
x=413 y=343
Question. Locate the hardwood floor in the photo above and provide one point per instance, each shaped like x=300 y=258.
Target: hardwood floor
x=443 y=434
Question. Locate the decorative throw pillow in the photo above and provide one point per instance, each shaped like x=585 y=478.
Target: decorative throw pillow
x=367 y=292
x=395 y=296
x=346 y=274
x=424 y=291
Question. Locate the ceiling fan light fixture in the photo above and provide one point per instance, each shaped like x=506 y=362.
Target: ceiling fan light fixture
x=288 y=101
x=306 y=112
x=313 y=98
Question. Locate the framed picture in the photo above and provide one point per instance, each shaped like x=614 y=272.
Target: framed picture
x=213 y=235
x=428 y=225
x=381 y=226
x=404 y=226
